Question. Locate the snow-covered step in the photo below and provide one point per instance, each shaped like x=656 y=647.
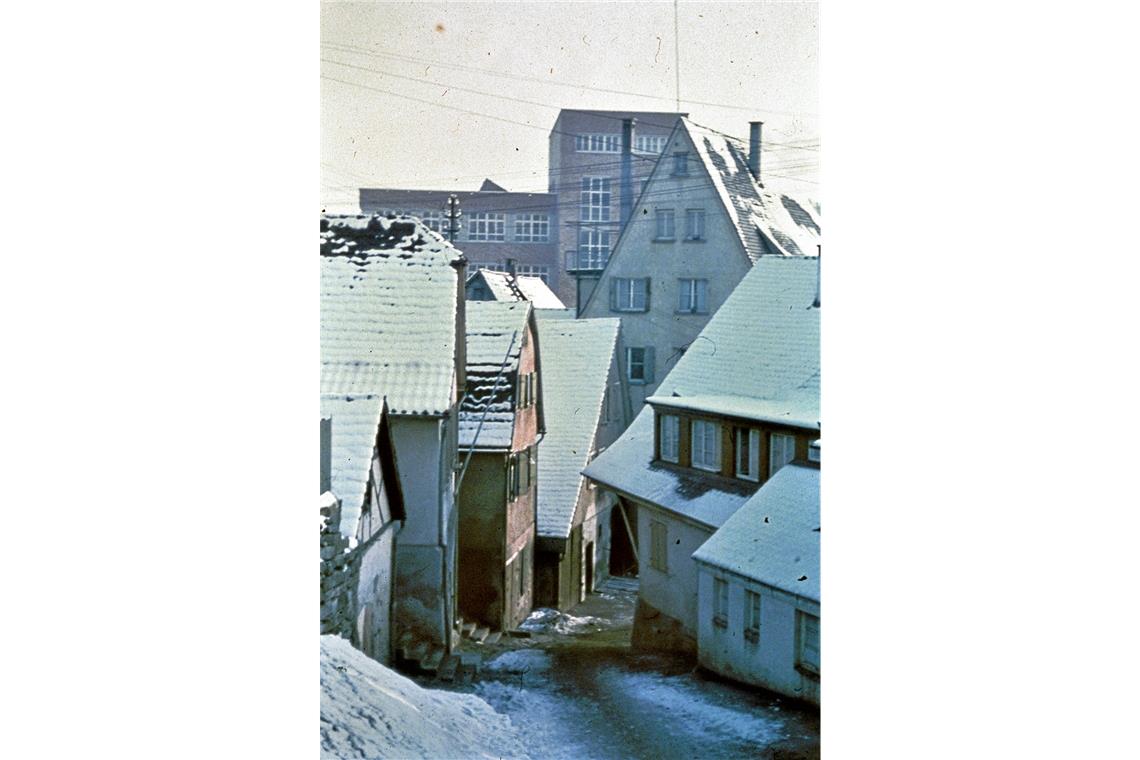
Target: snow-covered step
x=493 y=637
x=481 y=633
x=468 y=629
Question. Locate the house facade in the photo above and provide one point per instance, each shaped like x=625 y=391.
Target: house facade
x=702 y=222
x=501 y=420
x=584 y=415
x=758 y=617
x=496 y=226
x=585 y=165
x=742 y=403
x=393 y=326
x=361 y=512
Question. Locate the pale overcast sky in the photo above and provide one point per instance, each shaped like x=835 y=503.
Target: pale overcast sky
x=384 y=124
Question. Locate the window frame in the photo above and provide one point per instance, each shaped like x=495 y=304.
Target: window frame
x=752 y=607
x=702 y=464
x=595 y=245
x=481 y=227
x=690 y=215
x=773 y=468
x=803 y=622
x=659 y=545
x=674 y=421
x=720 y=603
x=629 y=364
x=753 y=437
x=627 y=290
x=666 y=225
x=602 y=209
x=680 y=163
x=694 y=291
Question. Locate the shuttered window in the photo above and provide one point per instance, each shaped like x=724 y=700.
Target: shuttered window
x=807 y=648
x=752 y=617
x=659 y=546
x=639 y=364
x=706 y=445
x=720 y=603
x=629 y=294
x=693 y=296
x=783 y=450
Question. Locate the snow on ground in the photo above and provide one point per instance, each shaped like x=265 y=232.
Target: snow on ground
x=544 y=620
x=519 y=661
x=369 y=711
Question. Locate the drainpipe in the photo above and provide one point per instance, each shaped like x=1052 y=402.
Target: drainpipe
x=754 y=148
x=626 y=170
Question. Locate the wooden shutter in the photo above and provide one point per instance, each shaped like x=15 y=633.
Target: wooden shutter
x=702 y=304
x=614 y=284
x=646 y=293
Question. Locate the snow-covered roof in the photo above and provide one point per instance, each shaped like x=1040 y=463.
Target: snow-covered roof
x=799 y=409
x=576 y=357
x=761 y=349
x=355 y=420
x=506 y=287
x=774 y=537
x=388 y=312
x=491 y=326
x=767 y=222
x=368 y=710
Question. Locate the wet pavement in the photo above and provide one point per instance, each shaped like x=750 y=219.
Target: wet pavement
x=575 y=689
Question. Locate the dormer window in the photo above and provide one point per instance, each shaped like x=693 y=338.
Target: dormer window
x=706 y=445
x=670 y=438
x=782 y=450
x=748 y=453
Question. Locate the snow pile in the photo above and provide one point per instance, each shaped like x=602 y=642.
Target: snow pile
x=369 y=711
x=519 y=661
x=546 y=620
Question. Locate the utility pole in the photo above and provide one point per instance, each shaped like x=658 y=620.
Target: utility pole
x=453 y=214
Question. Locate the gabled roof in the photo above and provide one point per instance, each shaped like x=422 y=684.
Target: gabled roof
x=761 y=348
x=576 y=358
x=774 y=538
x=767 y=222
x=489 y=186
x=506 y=287
x=388 y=312
x=358 y=426
x=493 y=327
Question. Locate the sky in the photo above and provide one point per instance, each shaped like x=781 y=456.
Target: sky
x=440 y=96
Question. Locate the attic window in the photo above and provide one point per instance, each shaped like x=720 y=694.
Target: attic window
x=680 y=163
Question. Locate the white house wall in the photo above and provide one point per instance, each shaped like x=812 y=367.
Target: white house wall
x=674 y=592
x=771 y=663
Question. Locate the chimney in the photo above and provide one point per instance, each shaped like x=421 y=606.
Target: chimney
x=511 y=267
x=326 y=454
x=818 y=266
x=754 y=148
x=626 y=169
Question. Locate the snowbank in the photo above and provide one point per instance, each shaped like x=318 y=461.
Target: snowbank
x=369 y=711
x=545 y=620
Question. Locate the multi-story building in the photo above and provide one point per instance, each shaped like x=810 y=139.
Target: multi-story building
x=586 y=178
x=496 y=226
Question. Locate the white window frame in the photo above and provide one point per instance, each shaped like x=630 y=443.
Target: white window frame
x=527 y=270
x=532 y=228
x=598 y=142
x=720 y=603
x=654 y=144
x=670 y=426
x=593 y=248
x=488 y=266
x=700 y=454
x=629 y=291
x=694 y=224
x=691 y=299
x=487 y=226
x=629 y=363
x=596 y=199
x=751 y=468
x=752 y=616
x=433 y=220
x=659 y=546
x=666 y=224
x=807 y=642
x=781 y=451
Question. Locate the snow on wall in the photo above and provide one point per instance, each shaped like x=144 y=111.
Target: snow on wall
x=370 y=711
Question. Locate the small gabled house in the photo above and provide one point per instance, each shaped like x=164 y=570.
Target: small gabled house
x=759 y=603
x=584 y=413
x=361 y=513
x=501 y=419
x=701 y=223
x=742 y=403
x=485 y=285
x=392 y=326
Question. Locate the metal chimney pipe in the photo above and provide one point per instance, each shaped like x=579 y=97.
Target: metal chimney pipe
x=626 y=169
x=754 y=148
x=818 y=267
x=511 y=267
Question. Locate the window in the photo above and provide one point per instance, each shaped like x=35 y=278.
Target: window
x=433 y=220
x=751 y=617
x=532 y=228
x=543 y=273
x=486 y=226
x=813 y=451
x=807 y=642
x=649 y=143
x=659 y=546
x=512 y=478
x=720 y=603
x=680 y=163
x=670 y=437
x=706 y=445
x=782 y=450
x=532 y=461
x=489 y=267
x=593 y=248
x=629 y=294
x=597 y=143
x=666 y=224
x=747 y=454
x=694 y=224
x=595 y=199
x=693 y=296
x=639 y=365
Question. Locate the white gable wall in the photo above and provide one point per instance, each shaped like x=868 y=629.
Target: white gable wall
x=719 y=258
x=674 y=592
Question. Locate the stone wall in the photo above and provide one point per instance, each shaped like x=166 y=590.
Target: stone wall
x=338 y=587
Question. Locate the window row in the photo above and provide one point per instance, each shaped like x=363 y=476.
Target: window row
x=632 y=294
x=522 y=472
x=667 y=224
x=488 y=225
x=706 y=444
x=526 y=270
x=806 y=632
x=611 y=143
x=527 y=390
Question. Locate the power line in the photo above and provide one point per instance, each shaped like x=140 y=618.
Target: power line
x=523 y=77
